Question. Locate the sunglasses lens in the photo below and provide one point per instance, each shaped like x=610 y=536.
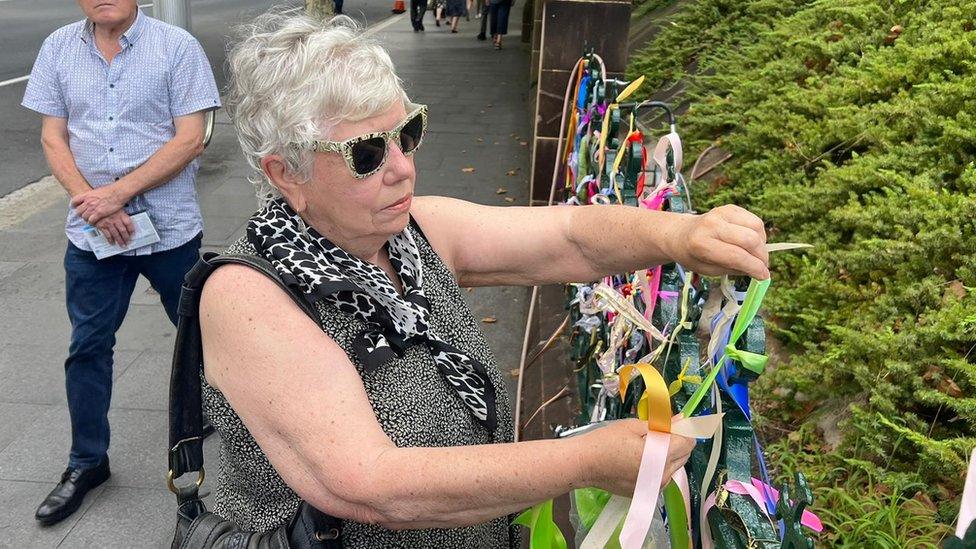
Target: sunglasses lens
x=411 y=134
x=368 y=154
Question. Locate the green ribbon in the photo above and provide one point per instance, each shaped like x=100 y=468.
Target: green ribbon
x=545 y=534
x=751 y=361
x=589 y=504
x=674 y=504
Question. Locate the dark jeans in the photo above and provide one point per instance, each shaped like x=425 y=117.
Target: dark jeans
x=484 y=17
x=98 y=295
x=417 y=10
x=337 y=6
x=499 y=17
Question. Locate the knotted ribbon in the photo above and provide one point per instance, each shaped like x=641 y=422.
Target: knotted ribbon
x=753 y=361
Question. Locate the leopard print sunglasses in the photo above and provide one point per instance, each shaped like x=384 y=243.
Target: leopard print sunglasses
x=366 y=154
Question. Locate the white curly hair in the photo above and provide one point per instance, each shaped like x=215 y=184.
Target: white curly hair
x=293 y=78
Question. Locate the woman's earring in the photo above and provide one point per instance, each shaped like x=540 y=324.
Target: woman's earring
x=302 y=227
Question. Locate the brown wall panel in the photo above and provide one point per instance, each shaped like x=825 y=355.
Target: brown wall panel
x=552 y=90
x=573 y=27
x=543 y=162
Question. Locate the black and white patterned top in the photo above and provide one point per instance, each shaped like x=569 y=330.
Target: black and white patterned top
x=413 y=403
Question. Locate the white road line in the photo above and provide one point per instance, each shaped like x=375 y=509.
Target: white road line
x=385 y=23
x=26 y=201
x=13 y=80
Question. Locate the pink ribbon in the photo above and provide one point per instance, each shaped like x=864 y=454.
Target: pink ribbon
x=655 y=286
x=651 y=473
x=656 y=201
x=649 y=477
x=669 y=296
x=755 y=492
x=706 y=534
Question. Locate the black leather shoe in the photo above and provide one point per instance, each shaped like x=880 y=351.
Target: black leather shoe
x=482 y=37
x=67 y=496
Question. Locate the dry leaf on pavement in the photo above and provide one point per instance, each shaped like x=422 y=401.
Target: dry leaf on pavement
x=469 y=169
x=501 y=190
x=489 y=320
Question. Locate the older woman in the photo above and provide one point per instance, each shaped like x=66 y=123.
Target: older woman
x=389 y=412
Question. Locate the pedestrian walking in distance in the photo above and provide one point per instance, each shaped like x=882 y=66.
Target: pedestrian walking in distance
x=498 y=10
x=418 y=8
x=455 y=10
x=129 y=93
x=483 y=15
x=439 y=8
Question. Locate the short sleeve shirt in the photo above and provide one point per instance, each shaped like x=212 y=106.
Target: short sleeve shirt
x=120 y=114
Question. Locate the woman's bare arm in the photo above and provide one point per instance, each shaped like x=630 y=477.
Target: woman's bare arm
x=487 y=245
x=304 y=403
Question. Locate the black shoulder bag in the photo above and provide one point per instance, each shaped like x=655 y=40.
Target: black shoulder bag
x=197 y=528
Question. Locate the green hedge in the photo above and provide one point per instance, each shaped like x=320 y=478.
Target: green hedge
x=853 y=127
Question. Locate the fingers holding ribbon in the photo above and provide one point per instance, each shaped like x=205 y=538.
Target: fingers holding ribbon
x=725 y=240
x=667 y=446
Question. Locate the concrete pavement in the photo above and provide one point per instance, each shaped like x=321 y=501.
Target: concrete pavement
x=479 y=117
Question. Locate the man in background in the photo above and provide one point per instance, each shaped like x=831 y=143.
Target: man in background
x=123 y=99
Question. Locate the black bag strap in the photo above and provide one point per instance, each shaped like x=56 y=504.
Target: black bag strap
x=185 y=393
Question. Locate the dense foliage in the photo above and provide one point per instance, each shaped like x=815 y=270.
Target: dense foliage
x=852 y=125
x=644 y=7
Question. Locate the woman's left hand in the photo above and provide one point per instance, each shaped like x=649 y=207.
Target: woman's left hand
x=725 y=240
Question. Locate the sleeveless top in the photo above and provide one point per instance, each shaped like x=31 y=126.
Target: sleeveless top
x=413 y=403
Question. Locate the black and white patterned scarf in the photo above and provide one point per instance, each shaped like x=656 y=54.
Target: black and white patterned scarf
x=323 y=271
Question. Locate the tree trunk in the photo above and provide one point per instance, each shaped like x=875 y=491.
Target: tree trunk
x=319 y=8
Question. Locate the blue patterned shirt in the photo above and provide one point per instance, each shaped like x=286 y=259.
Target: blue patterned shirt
x=121 y=114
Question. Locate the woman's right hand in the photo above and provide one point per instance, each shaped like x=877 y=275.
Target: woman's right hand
x=612 y=455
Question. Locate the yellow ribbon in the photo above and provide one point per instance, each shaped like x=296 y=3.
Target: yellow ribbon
x=675 y=385
x=617 y=160
x=658 y=416
x=631 y=88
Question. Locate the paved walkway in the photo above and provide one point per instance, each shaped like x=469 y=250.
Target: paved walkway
x=480 y=117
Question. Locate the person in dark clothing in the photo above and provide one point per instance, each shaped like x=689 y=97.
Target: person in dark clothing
x=498 y=10
x=417 y=10
x=455 y=10
x=484 y=19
